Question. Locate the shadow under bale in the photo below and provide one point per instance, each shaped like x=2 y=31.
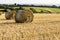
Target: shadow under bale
x=22 y=16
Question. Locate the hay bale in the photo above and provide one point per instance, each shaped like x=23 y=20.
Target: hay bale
x=24 y=16
x=7 y=15
x=10 y=14
x=20 y=16
x=1 y=13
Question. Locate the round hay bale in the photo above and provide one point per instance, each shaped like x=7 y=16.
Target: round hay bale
x=10 y=15
x=20 y=16
x=24 y=16
x=7 y=15
x=1 y=13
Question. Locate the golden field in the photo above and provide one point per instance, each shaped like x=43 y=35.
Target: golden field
x=43 y=27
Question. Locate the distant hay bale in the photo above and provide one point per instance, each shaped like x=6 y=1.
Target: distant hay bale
x=1 y=13
x=10 y=14
x=24 y=16
x=7 y=15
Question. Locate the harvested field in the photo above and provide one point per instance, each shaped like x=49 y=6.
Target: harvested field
x=43 y=27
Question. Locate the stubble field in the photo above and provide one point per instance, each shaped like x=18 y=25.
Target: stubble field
x=43 y=27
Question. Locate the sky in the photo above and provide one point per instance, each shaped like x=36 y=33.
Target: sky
x=35 y=2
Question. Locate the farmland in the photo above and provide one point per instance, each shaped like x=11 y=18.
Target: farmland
x=38 y=9
x=43 y=27
x=45 y=9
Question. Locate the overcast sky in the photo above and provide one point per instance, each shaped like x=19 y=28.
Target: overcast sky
x=47 y=2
